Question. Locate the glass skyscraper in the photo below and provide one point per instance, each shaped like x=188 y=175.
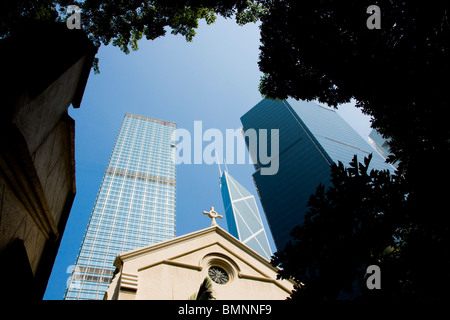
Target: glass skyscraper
x=311 y=139
x=242 y=214
x=135 y=205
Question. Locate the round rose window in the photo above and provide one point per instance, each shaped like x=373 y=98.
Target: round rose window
x=218 y=275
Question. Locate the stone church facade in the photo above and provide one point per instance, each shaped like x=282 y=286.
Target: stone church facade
x=175 y=269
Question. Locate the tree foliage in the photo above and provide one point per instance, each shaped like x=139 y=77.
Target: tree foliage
x=204 y=292
x=362 y=219
x=124 y=22
x=16 y=12
x=399 y=76
x=351 y=225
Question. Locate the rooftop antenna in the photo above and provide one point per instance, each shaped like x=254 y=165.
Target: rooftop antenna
x=225 y=162
x=218 y=163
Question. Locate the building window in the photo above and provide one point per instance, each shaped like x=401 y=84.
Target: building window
x=218 y=275
x=220 y=268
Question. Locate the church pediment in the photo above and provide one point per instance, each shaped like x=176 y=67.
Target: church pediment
x=182 y=263
x=196 y=259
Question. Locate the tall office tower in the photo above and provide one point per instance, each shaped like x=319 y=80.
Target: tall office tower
x=135 y=206
x=311 y=138
x=243 y=218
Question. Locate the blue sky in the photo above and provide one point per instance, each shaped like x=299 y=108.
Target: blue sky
x=213 y=79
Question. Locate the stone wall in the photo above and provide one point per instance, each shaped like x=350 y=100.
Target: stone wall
x=46 y=70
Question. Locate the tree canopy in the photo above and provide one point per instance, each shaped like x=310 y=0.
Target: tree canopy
x=351 y=225
x=124 y=22
x=398 y=75
x=357 y=222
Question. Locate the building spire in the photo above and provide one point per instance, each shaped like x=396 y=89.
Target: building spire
x=218 y=163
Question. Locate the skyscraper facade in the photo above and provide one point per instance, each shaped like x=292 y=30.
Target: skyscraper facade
x=135 y=205
x=311 y=139
x=242 y=214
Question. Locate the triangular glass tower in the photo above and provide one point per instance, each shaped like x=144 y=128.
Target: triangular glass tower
x=243 y=218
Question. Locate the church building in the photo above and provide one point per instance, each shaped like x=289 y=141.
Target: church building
x=174 y=269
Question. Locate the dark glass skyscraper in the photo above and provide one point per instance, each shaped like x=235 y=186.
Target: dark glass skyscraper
x=135 y=206
x=311 y=138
